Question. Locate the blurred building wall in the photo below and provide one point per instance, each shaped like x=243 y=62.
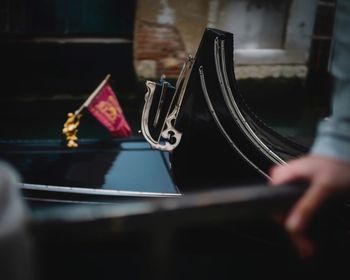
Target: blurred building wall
x=166 y=31
x=272 y=37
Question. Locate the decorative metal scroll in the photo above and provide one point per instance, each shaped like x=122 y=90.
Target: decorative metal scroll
x=161 y=108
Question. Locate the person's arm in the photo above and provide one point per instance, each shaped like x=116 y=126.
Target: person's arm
x=327 y=167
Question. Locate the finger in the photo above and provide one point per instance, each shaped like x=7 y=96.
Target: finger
x=306 y=207
x=287 y=173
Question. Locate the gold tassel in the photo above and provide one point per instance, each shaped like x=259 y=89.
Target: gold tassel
x=70 y=129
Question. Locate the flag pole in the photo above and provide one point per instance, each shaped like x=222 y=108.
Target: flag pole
x=92 y=95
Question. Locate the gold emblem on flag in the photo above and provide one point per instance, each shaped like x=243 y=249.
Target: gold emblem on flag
x=109 y=109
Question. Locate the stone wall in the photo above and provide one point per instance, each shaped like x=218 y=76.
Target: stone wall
x=166 y=32
x=159 y=49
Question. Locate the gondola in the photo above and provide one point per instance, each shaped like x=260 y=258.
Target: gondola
x=213 y=141
x=214 y=137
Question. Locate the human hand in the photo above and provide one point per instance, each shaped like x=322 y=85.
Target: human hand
x=327 y=178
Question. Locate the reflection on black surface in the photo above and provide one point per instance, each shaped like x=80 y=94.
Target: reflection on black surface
x=134 y=170
x=128 y=166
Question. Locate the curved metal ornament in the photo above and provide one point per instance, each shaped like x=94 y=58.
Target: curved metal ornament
x=170 y=135
x=169 y=138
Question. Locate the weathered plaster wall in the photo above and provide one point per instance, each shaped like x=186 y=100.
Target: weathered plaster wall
x=188 y=16
x=181 y=22
x=262 y=30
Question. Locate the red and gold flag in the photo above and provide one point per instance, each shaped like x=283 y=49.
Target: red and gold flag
x=104 y=106
x=106 y=109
